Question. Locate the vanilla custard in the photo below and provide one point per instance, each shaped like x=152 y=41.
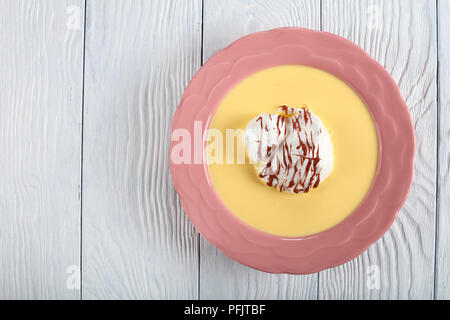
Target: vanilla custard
x=354 y=144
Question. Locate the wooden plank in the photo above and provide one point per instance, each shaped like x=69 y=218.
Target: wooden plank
x=443 y=236
x=40 y=137
x=224 y=22
x=401 y=35
x=137 y=242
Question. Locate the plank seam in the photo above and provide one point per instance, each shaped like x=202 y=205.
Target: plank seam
x=318 y=273
x=82 y=150
x=436 y=220
x=320 y=20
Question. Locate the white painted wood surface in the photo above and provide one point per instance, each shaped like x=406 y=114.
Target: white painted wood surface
x=137 y=241
x=401 y=36
x=139 y=55
x=41 y=48
x=443 y=235
x=224 y=22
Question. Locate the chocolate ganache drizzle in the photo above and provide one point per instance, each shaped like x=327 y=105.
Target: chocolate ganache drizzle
x=288 y=153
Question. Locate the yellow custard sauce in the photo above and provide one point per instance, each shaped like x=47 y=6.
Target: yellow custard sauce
x=354 y=139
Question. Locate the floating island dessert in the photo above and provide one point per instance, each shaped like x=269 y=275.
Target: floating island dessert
x=291 y=149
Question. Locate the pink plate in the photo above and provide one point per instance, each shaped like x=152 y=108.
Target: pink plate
x=364 y=225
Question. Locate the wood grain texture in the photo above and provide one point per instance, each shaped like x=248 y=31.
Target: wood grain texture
x=224 y=22
x=137 y=241
x=403 y=40
x=40 y=138
x=443 y=236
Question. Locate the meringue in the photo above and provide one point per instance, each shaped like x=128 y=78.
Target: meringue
x=291 y=150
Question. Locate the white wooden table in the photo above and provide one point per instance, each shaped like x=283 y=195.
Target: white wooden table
x=87 y=93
